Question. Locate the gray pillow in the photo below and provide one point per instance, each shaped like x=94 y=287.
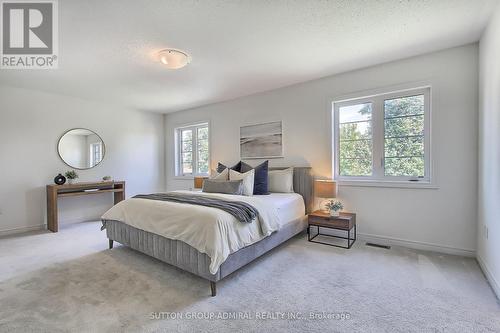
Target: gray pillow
x=223 y=186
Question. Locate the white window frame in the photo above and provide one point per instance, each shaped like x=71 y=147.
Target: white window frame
x=378 y=177
x=178 y=150
x=92 y=153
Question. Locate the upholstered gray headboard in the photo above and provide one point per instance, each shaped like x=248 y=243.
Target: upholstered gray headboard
x=302 y=184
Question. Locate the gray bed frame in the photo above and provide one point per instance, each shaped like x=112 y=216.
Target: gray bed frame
x=185 y=257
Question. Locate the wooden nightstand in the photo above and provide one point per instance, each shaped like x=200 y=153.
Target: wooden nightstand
x=345 y=222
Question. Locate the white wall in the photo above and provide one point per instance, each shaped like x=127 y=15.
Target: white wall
x=488 y=251
x=31 y=123
x=443 y=218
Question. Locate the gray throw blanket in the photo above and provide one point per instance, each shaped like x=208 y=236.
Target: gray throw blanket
x=242 y=211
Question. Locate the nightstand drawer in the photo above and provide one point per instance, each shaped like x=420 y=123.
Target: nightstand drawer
x=345 y=221
x=330 y=223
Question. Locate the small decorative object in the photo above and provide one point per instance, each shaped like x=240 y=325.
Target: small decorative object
x=71 y=176
x=334 y=207
x=60 y=179
x=261 y=141
x=107 y=178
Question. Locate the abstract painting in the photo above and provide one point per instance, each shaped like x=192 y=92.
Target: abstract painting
x=261 y=141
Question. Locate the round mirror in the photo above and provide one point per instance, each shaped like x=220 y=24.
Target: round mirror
x=81 y=148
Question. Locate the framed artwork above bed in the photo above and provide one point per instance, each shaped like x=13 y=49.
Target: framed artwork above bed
x=261 y=141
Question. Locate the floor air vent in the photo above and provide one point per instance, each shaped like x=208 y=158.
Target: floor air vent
x=387 y=247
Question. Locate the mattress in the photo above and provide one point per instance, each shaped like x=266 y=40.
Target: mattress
x=290 y=206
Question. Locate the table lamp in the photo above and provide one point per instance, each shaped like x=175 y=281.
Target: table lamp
x=325 y=189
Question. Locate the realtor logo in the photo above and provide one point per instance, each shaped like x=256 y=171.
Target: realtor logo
x=29 y=34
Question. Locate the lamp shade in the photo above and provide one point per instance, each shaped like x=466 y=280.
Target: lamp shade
x=325 y=188
x=198 y=182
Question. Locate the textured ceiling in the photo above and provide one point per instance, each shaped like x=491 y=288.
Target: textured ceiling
x=107 y=48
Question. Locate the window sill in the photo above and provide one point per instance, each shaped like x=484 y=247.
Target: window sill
x=188 y=177
x=184 y=177
x=389 y=184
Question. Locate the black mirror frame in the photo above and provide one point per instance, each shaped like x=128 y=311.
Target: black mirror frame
x=81 y=128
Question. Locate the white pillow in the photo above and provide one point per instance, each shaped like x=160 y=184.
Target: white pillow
x=248 y=180
x=280 y=181
x=224 y=175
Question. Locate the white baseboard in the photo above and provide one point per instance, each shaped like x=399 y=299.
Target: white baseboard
x=416 y=245
x=19 y=230
x=491 y=279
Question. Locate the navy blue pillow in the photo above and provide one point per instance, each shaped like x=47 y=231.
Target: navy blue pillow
x=261 y=173
x=236 y=167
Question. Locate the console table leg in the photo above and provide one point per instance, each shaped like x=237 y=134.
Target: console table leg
x=110 y=244
x=52 y=223
x=119 y=196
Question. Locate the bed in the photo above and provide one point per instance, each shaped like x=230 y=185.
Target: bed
x=146 y=226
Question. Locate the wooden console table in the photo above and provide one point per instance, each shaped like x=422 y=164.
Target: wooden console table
x=72 y=190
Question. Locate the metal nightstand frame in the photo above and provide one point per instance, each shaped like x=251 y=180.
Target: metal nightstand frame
x=349 y=239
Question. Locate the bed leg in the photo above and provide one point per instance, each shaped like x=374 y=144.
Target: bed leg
x=110 y=244
x=213 y=287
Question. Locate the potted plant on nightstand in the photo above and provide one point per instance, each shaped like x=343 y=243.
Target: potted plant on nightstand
x=71 y=176
x=334 y=207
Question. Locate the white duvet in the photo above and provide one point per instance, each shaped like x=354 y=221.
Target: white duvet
x=209 y=230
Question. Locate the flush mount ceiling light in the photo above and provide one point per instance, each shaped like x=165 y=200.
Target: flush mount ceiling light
x=174 y=59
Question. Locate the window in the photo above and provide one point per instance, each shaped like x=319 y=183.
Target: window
x=192 y=150
x=383 y=137
x=355 y=140
x=95 y=154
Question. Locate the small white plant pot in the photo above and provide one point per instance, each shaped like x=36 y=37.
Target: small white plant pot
x=71 y=181
x=335 y=213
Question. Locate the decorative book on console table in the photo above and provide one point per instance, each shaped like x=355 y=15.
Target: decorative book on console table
x=70 y=190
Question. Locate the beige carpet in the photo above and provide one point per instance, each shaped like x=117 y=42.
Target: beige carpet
x=70 y=282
